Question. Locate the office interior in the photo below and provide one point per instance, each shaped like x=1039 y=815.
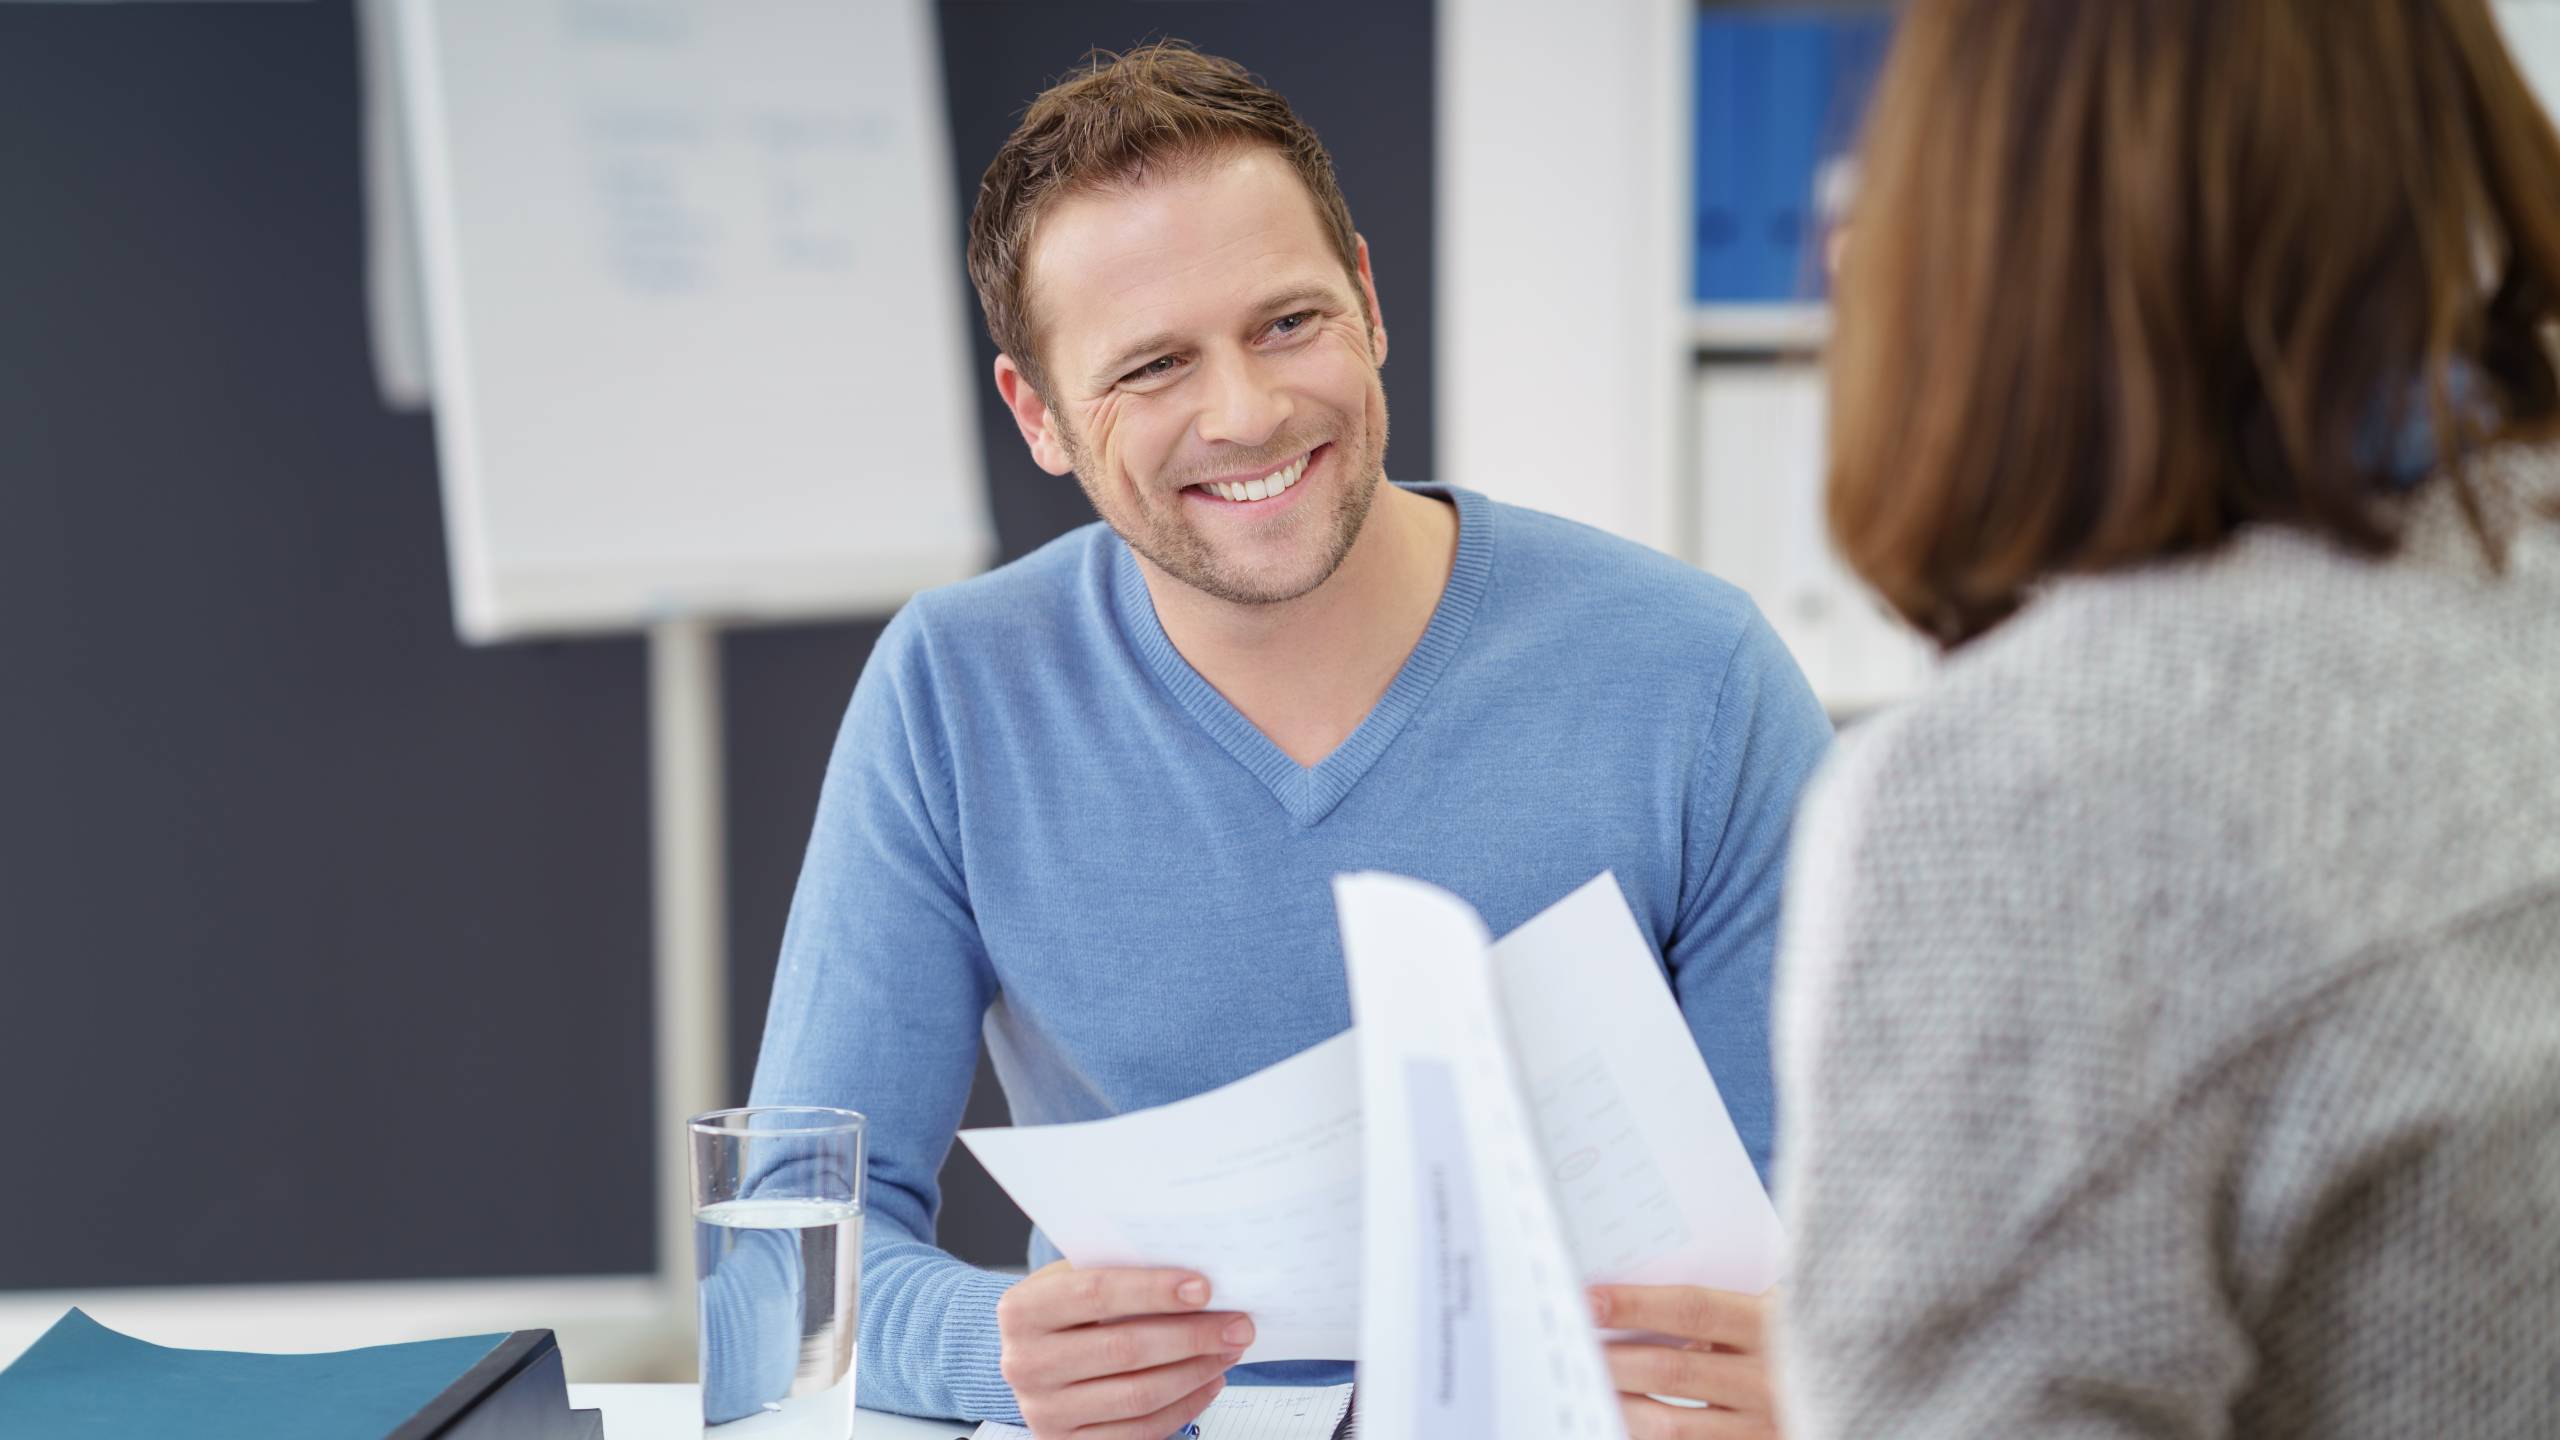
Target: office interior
x=333 y=1000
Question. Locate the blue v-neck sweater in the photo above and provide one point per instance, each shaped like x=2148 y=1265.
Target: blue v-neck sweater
x=1042 y=828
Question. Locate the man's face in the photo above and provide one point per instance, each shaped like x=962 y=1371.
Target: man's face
x=1211 y=376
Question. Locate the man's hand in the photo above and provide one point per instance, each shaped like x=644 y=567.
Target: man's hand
x=1721 y=1361
x=1114 y=1354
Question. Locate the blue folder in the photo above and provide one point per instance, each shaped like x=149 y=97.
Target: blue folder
x=1779 y=93
x=83 y=1381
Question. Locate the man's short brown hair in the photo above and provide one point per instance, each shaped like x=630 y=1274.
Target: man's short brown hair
x=2125 y=278
x=1114 y=122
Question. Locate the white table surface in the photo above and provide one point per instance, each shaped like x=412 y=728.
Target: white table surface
x=674 y=1412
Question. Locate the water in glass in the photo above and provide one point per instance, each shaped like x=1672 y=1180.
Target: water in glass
x=780 y=1309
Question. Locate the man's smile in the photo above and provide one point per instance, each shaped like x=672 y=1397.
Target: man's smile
x=1257 y=488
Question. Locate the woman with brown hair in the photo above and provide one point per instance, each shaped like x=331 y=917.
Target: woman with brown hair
x=2170 y=1003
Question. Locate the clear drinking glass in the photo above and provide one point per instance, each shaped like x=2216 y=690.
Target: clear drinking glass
x=777 y=1246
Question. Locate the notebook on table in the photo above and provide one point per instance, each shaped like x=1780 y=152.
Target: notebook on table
x=1252 y=1412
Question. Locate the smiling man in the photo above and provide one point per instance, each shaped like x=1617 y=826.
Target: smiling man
x=1089 y=807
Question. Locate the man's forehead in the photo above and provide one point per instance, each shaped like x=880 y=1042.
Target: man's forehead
x=1173 y=249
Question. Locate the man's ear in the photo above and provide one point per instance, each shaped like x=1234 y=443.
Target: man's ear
x=1031 y=414
x=1369 y=291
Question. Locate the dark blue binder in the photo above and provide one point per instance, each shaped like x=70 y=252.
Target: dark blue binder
x=1779 y=93
x=83 y=1381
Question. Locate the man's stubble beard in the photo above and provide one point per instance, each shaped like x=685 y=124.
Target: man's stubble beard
x=1179 y=551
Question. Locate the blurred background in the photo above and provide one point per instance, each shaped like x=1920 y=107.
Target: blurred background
x=436 y=558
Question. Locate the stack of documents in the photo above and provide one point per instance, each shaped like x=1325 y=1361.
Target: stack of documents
x=1429 y=1193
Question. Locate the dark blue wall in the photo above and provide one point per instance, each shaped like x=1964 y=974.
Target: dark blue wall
x=323 y=939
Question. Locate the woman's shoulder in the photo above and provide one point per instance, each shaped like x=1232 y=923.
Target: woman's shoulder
x=2278 y=644
x=2279 y=733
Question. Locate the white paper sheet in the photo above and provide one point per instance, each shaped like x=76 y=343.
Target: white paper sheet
x=1473 y=1320
x=1255 y=1185
x=1653 y=1180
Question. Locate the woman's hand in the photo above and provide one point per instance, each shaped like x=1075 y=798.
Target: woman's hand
x=1714 y=1352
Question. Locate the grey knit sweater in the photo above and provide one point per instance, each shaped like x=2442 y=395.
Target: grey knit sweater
x=2170 y=1011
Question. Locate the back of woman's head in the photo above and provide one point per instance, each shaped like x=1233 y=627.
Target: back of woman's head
x=2127 y=275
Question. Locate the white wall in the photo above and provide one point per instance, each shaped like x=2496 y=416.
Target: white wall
x=1759 y=474
x=2533 y=37
x=1563 y=266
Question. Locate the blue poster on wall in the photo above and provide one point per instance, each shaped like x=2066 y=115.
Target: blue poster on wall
x=1780 y=93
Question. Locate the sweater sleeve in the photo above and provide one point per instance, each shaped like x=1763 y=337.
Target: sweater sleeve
x=1766 y=736
x=1997 y=1227
x=877 y=1006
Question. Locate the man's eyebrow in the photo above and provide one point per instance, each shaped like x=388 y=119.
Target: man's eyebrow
x=1128 y=356
x=1296 y=297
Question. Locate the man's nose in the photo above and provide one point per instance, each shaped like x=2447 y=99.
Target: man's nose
x=1243 y=406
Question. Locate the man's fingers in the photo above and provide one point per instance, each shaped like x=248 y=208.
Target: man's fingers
x=1736 y=1382
x=1688 y=1311
x=1653 y=1420
x=1162 y=1423
x=1056 y=1297
x=1119 y=1347
x=1123 y=1405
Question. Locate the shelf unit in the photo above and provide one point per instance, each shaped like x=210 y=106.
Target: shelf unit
x=1578 y=377
x=1780 y=328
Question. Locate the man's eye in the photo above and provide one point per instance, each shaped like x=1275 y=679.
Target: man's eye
x=1292 y=324
x=1160 y=366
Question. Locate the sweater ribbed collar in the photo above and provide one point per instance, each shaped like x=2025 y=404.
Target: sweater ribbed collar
x=1310 y=792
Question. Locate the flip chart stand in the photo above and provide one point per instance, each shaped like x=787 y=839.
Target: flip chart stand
x=688 y=823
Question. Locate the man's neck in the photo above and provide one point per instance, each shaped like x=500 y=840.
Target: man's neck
x=1307 y=671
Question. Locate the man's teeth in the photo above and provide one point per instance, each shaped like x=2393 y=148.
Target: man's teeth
x=1264 y=488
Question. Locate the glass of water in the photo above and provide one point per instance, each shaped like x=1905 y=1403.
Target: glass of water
x=777 y=1246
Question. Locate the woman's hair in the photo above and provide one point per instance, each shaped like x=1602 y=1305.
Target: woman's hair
x=2126 y=275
